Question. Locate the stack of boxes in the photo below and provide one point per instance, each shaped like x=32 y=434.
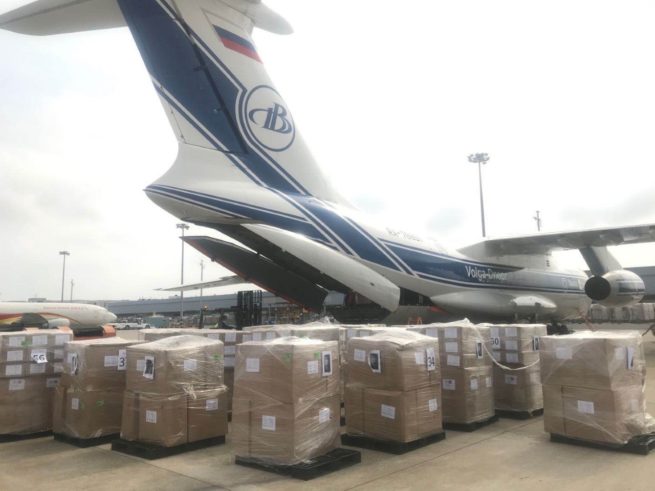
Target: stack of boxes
x=517 y=383
x=467 y=374
x=393 y=387
x=31 y=363
x=593 y=386
x=174 y=392
x=286 y=400
x=89 y=398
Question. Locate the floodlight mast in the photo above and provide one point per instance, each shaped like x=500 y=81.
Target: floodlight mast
x=480 y=158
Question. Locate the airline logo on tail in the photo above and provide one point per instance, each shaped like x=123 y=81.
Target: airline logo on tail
x=269 y=121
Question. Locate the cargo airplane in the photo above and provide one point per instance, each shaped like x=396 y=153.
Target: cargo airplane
x=244 y=170
x=52 y=315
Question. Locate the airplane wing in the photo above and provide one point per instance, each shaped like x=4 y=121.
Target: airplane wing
x=544 y=243
x=225 y=281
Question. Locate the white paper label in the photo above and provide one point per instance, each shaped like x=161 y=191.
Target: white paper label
x=246 y=338
x=452 y=347
x=474 y=384
x=536 y=343
x=61 y=339
x=40 y=340
x=74 y=363
x=634 y=406
x=58 y=354
x=190 y=365
x=214 y=335
x=430 y=359
x=230 y=350
x=270 y=335
x=511 y=379
x=534 y=378
x=452 y=361
x=563 y=353
x=312 y=367
x=75 y=404
x=350 y=333
x=15 y=355
x=490 y=382
x=387 y=411
x=229 y=362
x=433 y=405
x=122 y=360
x=13 y=370
x=359 y=355
x=326 y=357
x=630 y=358
x=449 y=384
x=433 y=332
x=586 y=407
x=51 y=383
x=37 y=369
x=257 y=336
x=419 y=357
x=511 y=332
x=230 y=337
x=211 y=405
x=111 y=361
x=252 y=365
x=17 y=341
x=17 y=384
x=512 y=345
x=494 y=332
x=512 y=357
x=324 y=415
x=149 y=367
x=151 y=416
x=451 y=333
x=58 y=367
x=140 y=365
x=375 y=361
x=495 y=342
x=268 y=423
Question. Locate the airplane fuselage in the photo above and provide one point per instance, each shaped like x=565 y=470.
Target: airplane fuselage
x=75 y=313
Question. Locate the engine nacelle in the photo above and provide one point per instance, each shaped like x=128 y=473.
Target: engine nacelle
x=616 y=288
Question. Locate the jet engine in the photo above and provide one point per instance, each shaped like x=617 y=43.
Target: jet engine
x=616 y=288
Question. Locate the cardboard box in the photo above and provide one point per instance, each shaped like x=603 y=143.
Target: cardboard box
x=229 y=383
x=596 y=415
x=173 y=364
x=282 y=433
x=96 y=364
x=393 y=361
x=400 y=416
x=44 y=338
x=463 y=338
x=162 y=419
x=29 y=369
x=468 y=395
x=601 y=360
x=518 y=390
x=26 y=404
x=287 y=369
x=87 y=413
x=207 y=414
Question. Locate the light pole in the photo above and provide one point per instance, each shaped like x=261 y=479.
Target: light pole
x=202 y=271
x=183 y=227
x=480 y=158
x=72 y=285
x=537 y=218
x=63 y=272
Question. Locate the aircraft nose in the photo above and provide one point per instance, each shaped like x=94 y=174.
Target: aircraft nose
x=110 y=317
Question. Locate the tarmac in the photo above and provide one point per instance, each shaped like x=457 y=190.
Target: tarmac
x=509 y=454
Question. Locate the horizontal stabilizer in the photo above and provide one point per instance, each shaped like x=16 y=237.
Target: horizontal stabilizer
x=45 y=17
x=226 y=281
x=351 y=273
x=256 y=269
x=544 y=243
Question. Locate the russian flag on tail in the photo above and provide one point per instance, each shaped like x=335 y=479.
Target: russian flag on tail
x=237 y=43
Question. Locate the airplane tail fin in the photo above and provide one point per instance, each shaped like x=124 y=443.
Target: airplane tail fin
x=211 y=82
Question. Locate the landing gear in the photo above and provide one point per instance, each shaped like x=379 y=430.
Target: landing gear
x=558 y=329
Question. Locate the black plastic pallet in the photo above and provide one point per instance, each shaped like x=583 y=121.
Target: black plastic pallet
x=85 y=442
x=396 y=448
x=152 y=452
x=476 y=425
x=519 y=414
x=337 y=459
x=641 y=444
x=18 y=438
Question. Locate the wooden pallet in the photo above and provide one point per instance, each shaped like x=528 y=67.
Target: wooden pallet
x=641 y=444
x=396 y=448
x=519 y=414
x=476 y=425
x=18 y=438
x=85 y=442
x=150 y=451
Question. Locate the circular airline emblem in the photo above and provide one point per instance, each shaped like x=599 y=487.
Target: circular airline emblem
x=268 y=119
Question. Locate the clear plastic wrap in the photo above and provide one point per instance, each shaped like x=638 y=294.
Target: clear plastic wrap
x=400 y=416
x=401 y=360
x=175 y=392
x=594 y=386
x=517 y=343
x=518 y=390
x=468 y=394
x=285 y=406
x=96 y=364
x=31 y=363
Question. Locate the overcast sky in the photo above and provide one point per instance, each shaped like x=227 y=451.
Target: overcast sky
x=391 y=97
